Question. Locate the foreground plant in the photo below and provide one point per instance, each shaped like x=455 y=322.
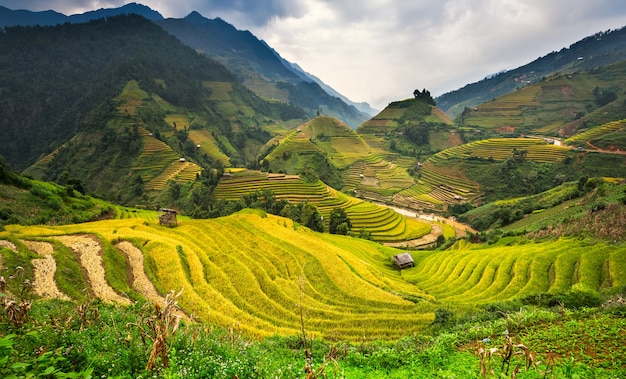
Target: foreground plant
x=16 y=298
x=160 y=327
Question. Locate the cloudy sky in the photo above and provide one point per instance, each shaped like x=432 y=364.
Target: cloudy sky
x=381 y=50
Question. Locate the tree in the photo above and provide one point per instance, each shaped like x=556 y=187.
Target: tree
x=339 y=222
x=440 y=240
x=311 y=217
x=424 y=96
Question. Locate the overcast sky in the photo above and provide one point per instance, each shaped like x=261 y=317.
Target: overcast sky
x=381 y=50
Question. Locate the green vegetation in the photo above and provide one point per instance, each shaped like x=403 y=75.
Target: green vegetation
x=125 y=118
x=606 y=47
x=261 y=291
x=29 y=202
x=561 y=104
x=435 y=316
x=381 y=223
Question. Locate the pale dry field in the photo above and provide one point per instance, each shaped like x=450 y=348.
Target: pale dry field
x=89 y=253
x=44 y=270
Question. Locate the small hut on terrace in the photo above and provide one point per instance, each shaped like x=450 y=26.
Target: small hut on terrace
x=168 y=218
x=404 y=260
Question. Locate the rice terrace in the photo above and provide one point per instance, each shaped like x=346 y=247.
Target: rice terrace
x=191 y=211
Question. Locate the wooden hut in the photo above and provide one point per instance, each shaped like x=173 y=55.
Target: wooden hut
x=404 y=260
x=168 y=217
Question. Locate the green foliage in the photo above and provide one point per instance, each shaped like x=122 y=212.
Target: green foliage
x=339 y=222
x=417 y=133
x=604 y=96
x=29 y=202
x=579 y=296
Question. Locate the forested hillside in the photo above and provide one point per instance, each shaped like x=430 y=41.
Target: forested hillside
x=62 y=88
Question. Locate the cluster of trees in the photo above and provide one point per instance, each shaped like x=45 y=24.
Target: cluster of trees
x=198 y=202
x=603 y=96
x=424 y=96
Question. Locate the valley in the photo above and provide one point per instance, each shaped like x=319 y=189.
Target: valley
x=291 y=215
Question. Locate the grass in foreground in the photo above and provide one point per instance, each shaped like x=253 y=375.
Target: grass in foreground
x=67 y=340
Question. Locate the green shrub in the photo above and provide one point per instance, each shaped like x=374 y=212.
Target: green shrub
x=581 y=296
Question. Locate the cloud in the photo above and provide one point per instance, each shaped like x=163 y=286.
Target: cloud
x=381 y=50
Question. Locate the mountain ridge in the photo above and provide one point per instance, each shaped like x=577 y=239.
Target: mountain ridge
x=261 y=68
x=594 y=51
x=249 y=55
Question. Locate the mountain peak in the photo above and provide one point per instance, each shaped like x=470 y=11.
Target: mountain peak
x=130 y=8
x=10 y=17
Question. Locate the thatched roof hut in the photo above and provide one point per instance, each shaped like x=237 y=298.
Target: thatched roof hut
x=168 y=218
x=404 y=260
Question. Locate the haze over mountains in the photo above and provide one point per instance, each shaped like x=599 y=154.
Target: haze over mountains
x=257 y=65
x=262 y=69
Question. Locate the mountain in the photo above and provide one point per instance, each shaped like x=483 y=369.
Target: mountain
x=561 y=105
x=595 y=51
x=10 y=17
x=261 y=68
x=364 y=107
x=116 y=102
x=254 y=62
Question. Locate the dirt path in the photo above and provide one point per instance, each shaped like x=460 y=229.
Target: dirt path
x=45 y=268
x=140 y=282
x=89 y=253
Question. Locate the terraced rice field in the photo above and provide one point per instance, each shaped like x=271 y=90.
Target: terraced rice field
x=513 y=269
x=502 y=148
x=293 y=141
x=382 y=176
x=506 y=110
x=436 y=186
x=176 y=171
x=220 y=91
x=263 y=273
x=178 y=121
x=260 y=273
x=208 y=145
x=131 y=98
x=596 y=132
x=384 y=224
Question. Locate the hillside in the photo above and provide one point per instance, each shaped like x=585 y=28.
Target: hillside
x=256 y=65
x=117 y=120
x=347 y=285
x=562 y=105
x=601 y=49
x=379 y=223
x=23 y=17
x=252 y=275
x=259 y=67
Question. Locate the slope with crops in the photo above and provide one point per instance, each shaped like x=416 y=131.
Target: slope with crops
x=562 y=104
x=258 y=272
x=384 y=224
x=268 y=275
x=120 y=122
x=517 y=269
x=592 y=52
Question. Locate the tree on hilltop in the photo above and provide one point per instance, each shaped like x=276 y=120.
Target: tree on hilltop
x=424 y=95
